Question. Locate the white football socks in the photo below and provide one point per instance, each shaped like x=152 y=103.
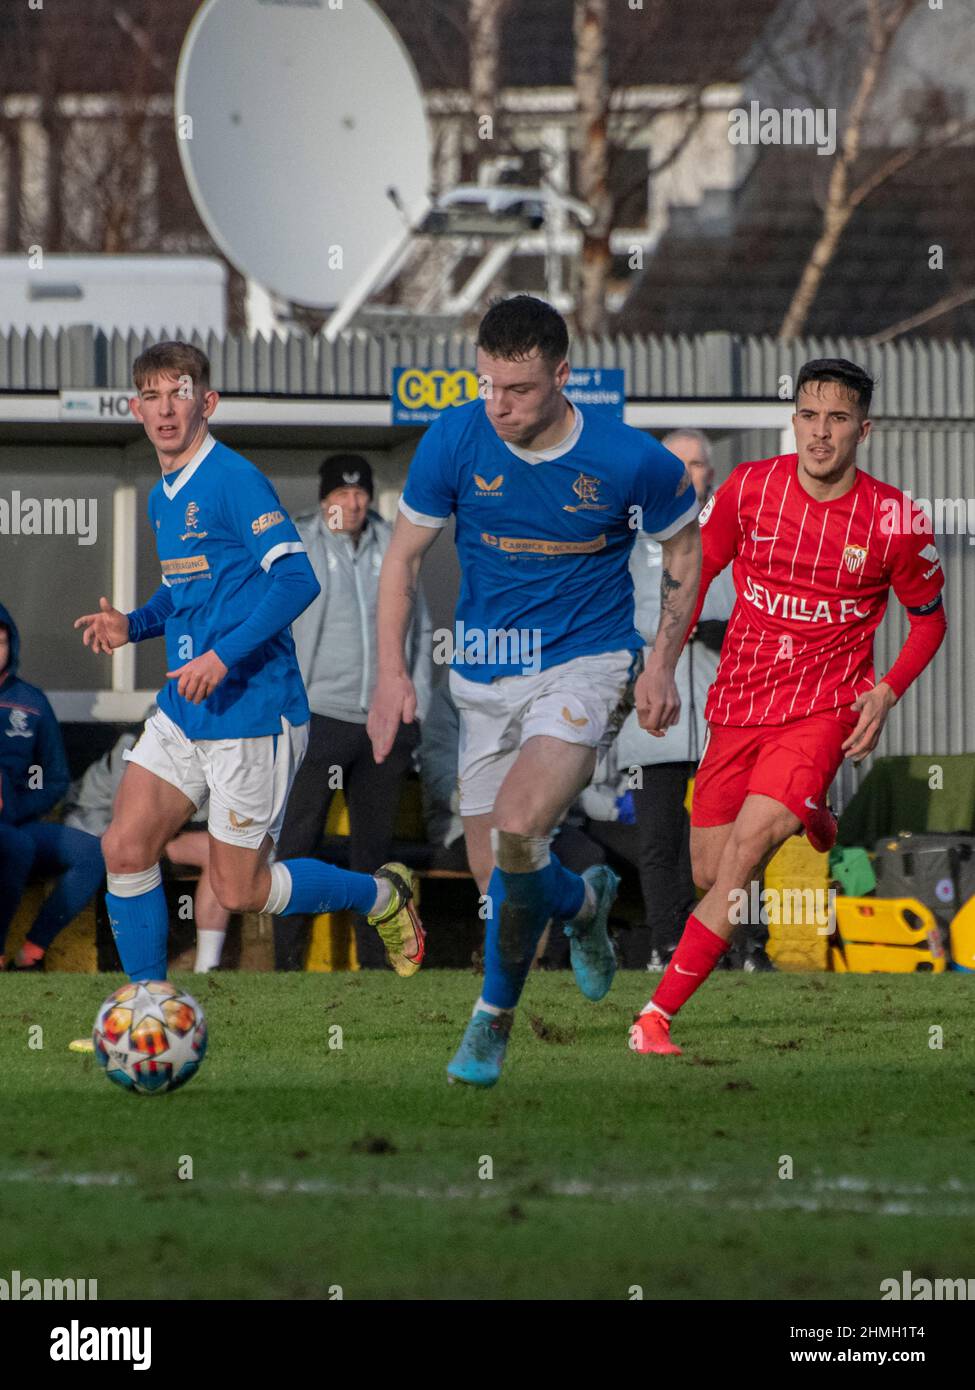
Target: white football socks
x=588 y=908
x=209 y=947
x=651 y=1007
x=134 y=885
x=280 y=894
x=482 y=1007
x=384 y=896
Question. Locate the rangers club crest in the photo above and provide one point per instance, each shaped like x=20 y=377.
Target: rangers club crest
x=587 y=491
x=19 y=727
x=854 y=556
x=191 y=521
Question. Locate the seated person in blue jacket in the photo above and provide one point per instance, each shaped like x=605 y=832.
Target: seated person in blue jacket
x=33 y=779
x=89 y=807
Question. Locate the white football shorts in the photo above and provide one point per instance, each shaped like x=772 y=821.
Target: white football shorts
x=247 y=779
x=584 y=700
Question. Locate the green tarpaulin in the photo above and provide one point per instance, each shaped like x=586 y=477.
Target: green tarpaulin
x=927 y=792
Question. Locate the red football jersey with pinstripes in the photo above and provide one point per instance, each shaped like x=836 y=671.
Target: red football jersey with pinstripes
x=812 y=580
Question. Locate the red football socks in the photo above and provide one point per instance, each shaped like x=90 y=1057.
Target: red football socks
x=698 y=952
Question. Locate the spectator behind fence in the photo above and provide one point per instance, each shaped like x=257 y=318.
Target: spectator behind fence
x=90 y=808
x=600 y=819
x=335 y=639
x=33 y=779
x=439 y=738
x=667 y=764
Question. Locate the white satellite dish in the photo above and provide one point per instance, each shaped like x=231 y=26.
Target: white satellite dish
x=307 y=152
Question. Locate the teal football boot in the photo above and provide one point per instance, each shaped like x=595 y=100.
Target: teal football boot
x=590 y=949
x=477 y=1061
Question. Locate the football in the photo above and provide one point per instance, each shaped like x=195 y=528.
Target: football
x=150 y=1037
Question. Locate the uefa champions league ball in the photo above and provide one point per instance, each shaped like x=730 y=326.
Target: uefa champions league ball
x=150 y=1037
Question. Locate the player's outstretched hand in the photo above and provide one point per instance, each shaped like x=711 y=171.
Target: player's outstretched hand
x=393 y=703
x=657 y=701
x=199 y=677
x=104 y=630
x=873 y=708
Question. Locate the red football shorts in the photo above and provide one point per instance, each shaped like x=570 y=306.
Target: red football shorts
x=793 y=763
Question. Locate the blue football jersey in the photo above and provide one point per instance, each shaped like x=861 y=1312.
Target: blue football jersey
x=219 y=527
x=544 y=545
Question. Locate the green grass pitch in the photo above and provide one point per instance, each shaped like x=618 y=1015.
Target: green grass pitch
x=358 y=1167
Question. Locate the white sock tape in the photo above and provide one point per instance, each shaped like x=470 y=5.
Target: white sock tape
x=280 y=894
x=134 y=885
x=520 y=854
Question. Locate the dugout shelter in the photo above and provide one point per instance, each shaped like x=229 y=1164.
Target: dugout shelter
x=67 y=439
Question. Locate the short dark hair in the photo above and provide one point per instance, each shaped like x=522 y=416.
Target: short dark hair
x=172 y=359
x=858 y=382
x=515 y=328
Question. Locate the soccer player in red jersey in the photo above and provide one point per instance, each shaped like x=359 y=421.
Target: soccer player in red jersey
x=816 y=545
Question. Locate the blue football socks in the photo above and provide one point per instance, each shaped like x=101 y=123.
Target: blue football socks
x=318 y=887
x=140 y=926
x=519 y=905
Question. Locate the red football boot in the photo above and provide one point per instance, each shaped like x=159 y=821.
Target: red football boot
x=651 y=1033
x=821 y=829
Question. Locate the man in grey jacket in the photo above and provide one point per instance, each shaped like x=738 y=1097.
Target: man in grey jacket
x=335 y=640
x=658 y=769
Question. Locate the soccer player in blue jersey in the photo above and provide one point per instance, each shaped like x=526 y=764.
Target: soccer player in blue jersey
x=232 y=718
x=548 y=499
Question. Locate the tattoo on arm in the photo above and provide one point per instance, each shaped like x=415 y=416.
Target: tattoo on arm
x=667 y=584
x=668 y=608
x=673 y=610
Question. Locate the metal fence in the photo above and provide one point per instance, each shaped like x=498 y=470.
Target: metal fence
x=916 y=378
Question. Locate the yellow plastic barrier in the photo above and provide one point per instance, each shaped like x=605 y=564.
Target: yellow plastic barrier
x=332 y=943
x=796 y=902
x=962 y=934
x=889 y=935
x=337 y=821
x=409 y=817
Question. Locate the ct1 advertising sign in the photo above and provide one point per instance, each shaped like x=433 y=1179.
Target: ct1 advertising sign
x=421 y=393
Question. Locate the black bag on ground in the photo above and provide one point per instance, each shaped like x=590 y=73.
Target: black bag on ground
x=938 y=870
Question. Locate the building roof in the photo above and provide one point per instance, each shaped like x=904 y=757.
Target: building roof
x=99 y=45
x=93 y=46
x=694 y=41
x=736 y=266
x=731 y=263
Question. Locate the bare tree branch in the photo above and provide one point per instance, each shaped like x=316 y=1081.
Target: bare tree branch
x=592 y=104
x=775 y=47
x=883 y=26
x=485 y=18
x=902 y=158
x=604 y=127
x=682 y=141
x=944 y=305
